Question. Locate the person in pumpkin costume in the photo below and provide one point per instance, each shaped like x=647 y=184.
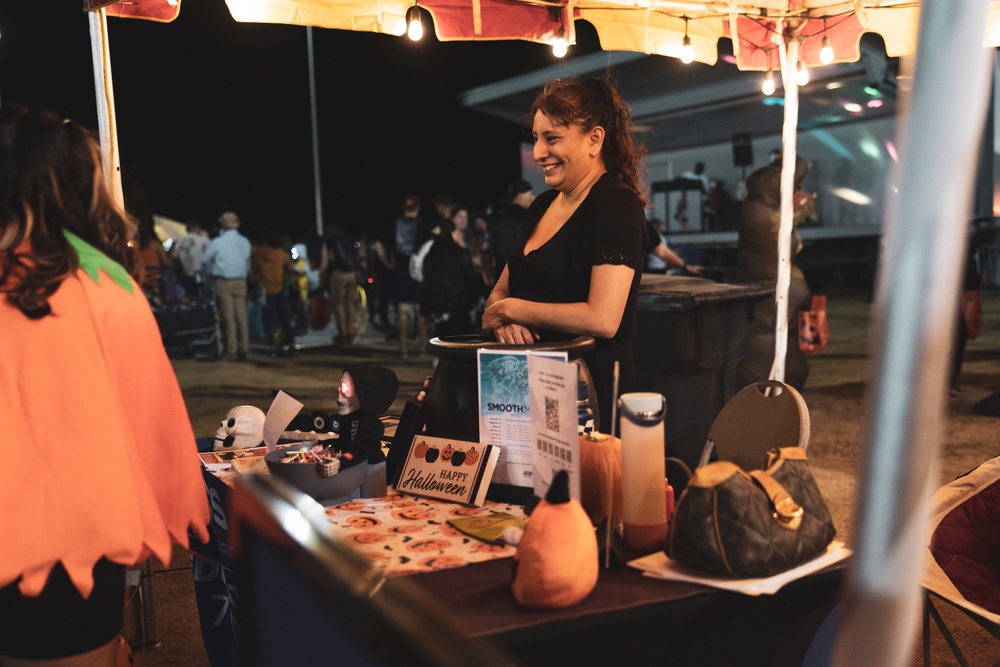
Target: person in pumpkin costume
x=100 y=469
x=364 y=393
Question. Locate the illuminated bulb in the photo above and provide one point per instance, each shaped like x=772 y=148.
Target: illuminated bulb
x=416 y=29
x=768 y=86
x=687 y=51
x=826 y=52
x=559 y=47
x=801 y=75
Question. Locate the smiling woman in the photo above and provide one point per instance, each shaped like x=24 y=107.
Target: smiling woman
x=576 y=266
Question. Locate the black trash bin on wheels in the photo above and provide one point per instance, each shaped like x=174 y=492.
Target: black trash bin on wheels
x=691 y=333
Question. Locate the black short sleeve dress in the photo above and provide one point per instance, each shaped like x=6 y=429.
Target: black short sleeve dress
x=607 y=228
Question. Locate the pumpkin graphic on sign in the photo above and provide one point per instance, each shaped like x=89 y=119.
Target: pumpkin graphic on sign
x=420 y=450
x=458 y=458
x=471 y=456
x=446 y=453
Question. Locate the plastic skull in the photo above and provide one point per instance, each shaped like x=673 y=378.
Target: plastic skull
x=242 y=428
x=347 y=396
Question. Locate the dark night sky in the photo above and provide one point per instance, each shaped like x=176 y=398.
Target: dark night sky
x=213 y=115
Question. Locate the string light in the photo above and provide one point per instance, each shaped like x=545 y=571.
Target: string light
x=415 y=29
x=559 y=46
x=801 y=74
x=768 y=87
x=826 y=52
x=687 y=51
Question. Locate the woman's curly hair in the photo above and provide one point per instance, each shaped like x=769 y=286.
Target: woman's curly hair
x=51 y=180
x=589 y=102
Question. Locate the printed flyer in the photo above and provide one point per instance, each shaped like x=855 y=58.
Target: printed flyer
x=553 y=385
x=505 y=411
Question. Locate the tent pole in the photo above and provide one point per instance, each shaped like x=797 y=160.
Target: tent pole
x=912 y=330
x=104 y=88
x=789 y=66
x=315 y=133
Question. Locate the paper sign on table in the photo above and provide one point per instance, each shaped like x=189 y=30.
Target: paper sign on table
x=659 y=566
x=505 y=411
x=281 y=413
x=225 y=459
x=453 y=470
x=553 y=389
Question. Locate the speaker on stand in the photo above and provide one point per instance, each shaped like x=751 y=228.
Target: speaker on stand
x=743 y=158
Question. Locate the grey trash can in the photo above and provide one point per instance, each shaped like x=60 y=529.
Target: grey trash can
x=691 y=333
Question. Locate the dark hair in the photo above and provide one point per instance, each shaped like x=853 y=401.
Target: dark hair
x=50 y=180
x=589 y=102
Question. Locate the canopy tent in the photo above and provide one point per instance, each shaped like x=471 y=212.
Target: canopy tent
x=935 y=179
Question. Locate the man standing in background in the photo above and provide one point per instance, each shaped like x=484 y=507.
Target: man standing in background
x=505 y=226
x=399 y=241
x=227 y=262
x=190 y=253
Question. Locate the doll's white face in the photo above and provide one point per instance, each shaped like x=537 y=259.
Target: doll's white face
x=347 y=398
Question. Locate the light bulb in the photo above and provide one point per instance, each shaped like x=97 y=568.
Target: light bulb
x=687 y=51
x=768 y=86
x=801 y=75
x=826 y=52
x=416 y=29
x=559 y=47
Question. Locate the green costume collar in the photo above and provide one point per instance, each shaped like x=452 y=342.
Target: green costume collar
x=93 y=260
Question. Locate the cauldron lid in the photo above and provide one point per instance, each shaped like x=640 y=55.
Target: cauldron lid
x=468 y=344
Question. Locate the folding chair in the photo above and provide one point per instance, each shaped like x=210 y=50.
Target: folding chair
x=761 y=416
x=962 y=567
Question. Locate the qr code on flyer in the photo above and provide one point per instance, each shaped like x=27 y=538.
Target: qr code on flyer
x=552 y=414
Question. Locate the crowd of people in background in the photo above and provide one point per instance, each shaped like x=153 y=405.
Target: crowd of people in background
x=416 y=277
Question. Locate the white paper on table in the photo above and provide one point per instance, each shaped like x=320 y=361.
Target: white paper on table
x=505 y=411
x=552 y=389
x=281 y=413
x=659 y=566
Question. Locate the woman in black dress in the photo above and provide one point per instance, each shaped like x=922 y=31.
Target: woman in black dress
x=576 y=266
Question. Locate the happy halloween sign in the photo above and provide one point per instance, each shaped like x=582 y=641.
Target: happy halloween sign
x=453 y=470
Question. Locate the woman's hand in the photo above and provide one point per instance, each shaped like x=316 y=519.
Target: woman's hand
x=497 y=318
x=496 y=314
x=515 y=334
x=695 y=269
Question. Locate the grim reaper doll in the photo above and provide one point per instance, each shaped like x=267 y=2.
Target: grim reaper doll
x=364 y=393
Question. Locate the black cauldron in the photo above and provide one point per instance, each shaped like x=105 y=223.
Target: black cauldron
x=452 y=404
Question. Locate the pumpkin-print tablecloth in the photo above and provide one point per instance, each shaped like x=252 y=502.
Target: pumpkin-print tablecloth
x=409 y=534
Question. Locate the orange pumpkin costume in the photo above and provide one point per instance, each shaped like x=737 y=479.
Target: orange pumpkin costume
x=99 y=453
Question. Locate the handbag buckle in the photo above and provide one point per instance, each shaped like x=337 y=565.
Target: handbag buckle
x=787 y=512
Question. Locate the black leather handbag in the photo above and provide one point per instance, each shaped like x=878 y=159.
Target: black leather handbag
x=751 y=524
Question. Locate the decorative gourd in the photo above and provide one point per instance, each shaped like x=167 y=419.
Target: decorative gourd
x=600 y=476
x=556 y=561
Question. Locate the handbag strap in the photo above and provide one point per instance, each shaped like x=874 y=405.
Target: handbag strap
x=787 y=512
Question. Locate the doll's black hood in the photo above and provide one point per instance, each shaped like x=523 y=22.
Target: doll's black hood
x=376 y=387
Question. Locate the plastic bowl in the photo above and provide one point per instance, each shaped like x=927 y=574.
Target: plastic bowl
x=343 y=486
